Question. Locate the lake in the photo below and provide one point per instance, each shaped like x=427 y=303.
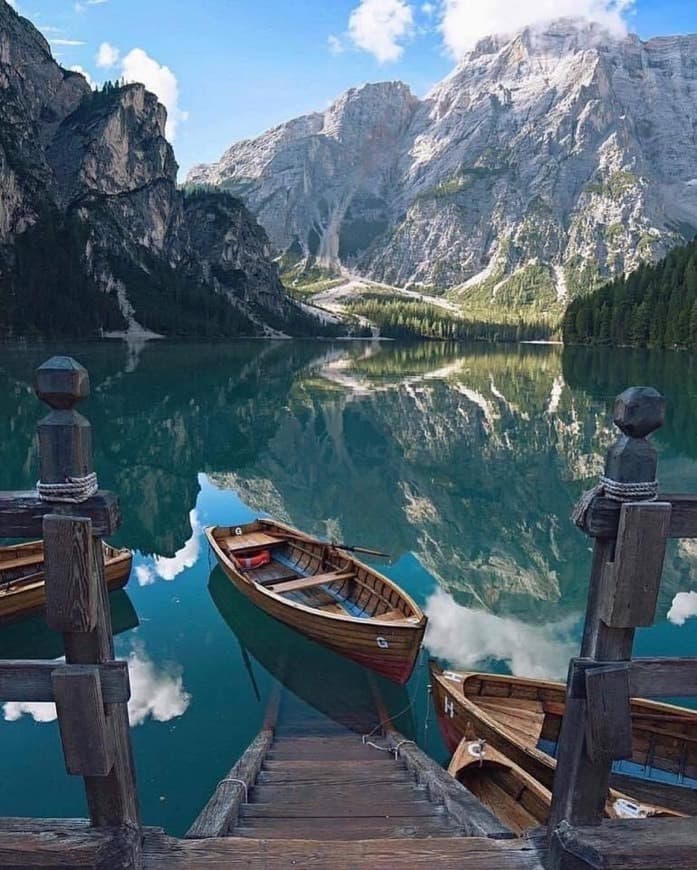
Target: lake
x=462 y=462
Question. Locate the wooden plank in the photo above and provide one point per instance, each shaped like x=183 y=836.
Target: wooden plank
x=603 y=517
x=71 y=596
x=22 y=514
x=475 y=819
x=31 y=681
x=339 y=809
x=630 y=584
x=221 y=810
x=445 y=853
x=87 y=741
x=648 y=677
x=347 y=829
x=651 y=791
x=309 y=582
x=237 y=543
x=63 y=847
x=608 y=719
x=627 y=845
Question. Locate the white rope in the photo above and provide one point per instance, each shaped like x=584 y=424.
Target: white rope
x=239 y=782
x=615 y=490
x=400 y=744
x=73 y=490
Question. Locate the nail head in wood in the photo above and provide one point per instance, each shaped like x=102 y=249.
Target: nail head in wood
x=85 y=733
x=639 y=411
x=62 y=382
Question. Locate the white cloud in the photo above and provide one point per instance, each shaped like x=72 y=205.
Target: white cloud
x=83 y=5
x=170 y=567
x=684 y=607
x=83 y=72
x=464 y=22
x=335 y=45
x=107 y=56
x=138 y=66
x=67 y=42
x=466 y=638
x=381 y=27
x=428 y=9
x=40 y=711
x=155 y=692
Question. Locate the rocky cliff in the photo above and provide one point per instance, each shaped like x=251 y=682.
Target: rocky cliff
x=544 y=162
x=94 y=234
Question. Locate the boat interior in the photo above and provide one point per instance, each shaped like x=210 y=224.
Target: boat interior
x=24 y=563
x=310 y=573
x=664 y=737
x=504 y=790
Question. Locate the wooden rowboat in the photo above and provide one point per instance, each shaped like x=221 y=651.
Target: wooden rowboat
x=515 y=797
x=521 y=719
x=324 y=593
x=22 y=589
x=518 y=799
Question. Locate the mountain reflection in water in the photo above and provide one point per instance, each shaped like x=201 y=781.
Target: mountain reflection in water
x=462 y=462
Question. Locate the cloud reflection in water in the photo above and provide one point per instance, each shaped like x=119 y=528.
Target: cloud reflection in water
x=466 y=637
x=168 y=568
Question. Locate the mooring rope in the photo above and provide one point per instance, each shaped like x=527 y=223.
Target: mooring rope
x=615 y=490
x=238 y=782
x=394 y=716
x=73 y=490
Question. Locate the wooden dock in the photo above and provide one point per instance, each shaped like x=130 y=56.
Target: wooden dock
x=314 y=794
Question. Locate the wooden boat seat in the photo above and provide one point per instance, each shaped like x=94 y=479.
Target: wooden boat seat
x=309 y=582
x=390 y=615
x=236 y=543
x=10 y=564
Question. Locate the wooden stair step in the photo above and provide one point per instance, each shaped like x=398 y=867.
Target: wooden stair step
x=322 y=792
x=276 y=777
x=327 y=756
x=162 y=852
x=356 y=808
x=348 y=828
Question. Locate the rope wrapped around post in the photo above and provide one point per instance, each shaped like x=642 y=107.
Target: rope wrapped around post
x=74 y=490
x=638 y=412
x=615 y=490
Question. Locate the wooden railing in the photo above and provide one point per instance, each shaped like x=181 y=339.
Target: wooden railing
x=629 y=550
x=90 y=690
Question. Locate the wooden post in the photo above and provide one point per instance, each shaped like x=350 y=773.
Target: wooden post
x=624 y=582
x=77 y=599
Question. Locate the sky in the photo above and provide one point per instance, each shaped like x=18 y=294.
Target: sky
x=230 y=69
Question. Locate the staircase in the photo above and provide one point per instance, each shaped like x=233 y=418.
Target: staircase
x=321 y=782
x=318 y=795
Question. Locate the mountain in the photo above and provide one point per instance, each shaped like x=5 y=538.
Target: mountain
x=94 y=234
x=654 y=306
x=545 y=163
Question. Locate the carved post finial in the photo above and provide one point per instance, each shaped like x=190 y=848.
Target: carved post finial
x=639 y=411
x=65 y=436
x=62 y=382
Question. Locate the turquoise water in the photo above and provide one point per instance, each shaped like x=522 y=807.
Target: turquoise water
x=462 y=462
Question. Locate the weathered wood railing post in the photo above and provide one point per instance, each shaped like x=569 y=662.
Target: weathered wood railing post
x=95 y=735
x=624 y=584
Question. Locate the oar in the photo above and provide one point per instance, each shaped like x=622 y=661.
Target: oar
x=360 y=550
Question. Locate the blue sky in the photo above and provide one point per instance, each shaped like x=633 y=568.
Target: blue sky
x=237 y=67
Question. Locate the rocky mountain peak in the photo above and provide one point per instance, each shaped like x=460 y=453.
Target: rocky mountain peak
x=546 y=161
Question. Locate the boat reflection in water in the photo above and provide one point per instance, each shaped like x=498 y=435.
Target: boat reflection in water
x=31 y=638
x=317 y=680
